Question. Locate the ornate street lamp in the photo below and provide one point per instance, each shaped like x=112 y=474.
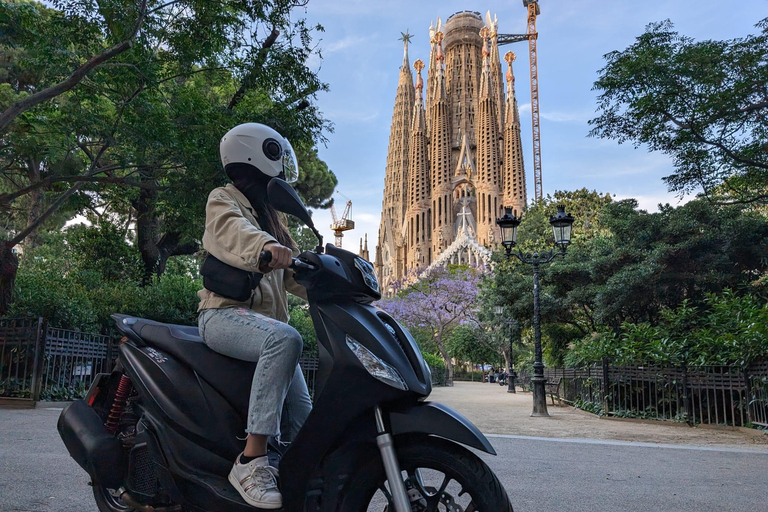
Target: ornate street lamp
x=508 y=224
x=511 y=323
x=561 y=225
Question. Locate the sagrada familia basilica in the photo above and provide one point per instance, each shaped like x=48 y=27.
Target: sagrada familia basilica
x=454 y=157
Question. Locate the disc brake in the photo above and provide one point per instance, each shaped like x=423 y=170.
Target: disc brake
x=419 y=501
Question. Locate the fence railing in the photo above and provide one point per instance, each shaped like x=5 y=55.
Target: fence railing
x=47 y=363
x=721 y=395
x=21 y=345
x=309 y=364
x=72 y=360
x=38 y=362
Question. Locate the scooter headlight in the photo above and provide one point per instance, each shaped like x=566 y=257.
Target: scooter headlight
x=375 y=366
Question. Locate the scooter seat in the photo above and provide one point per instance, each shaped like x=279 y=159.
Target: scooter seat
x=230 y=377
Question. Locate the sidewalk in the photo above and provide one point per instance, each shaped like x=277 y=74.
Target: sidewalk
x=495 y=411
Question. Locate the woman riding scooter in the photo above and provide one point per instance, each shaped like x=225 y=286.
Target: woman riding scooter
x=240 y=224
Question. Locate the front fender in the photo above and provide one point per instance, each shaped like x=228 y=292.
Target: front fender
x=439 y=420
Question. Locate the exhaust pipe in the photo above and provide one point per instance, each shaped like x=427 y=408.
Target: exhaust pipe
x=89 y=442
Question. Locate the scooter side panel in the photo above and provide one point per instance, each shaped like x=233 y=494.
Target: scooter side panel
x=183 y=402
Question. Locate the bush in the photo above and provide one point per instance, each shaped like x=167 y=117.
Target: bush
x=726 y=329
x=302 y=322
x=472 y=375
x=69 y=296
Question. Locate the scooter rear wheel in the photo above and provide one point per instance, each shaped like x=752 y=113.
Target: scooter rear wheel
x=442 y=477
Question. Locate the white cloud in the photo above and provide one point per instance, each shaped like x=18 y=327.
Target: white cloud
x=651 y=202
x=347 y=42
x=352 y=116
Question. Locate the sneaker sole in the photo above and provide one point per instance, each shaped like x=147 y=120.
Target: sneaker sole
x=249 y=500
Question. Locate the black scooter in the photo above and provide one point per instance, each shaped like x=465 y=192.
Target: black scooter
x=158 y=434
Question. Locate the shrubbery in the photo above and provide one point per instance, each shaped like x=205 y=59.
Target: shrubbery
x=725 y=329
x=73 y=285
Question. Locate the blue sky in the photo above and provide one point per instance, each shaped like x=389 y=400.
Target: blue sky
x=362 y=55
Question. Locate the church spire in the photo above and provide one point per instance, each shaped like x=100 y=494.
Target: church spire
x=440 y=157
x=405 y=37
x=419 y=120
x=488 y=150
x=515 y=195
x=498 y=79
x=395 y=200
x=435 y=52
x=486 y=77
x=418 y=215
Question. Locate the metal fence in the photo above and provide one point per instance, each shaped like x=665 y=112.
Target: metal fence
x=309 y=364
x=72 y=360
x=720 y=395
x=21 y=342
x=38 y=362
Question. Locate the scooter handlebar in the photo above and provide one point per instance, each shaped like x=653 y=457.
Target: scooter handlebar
x=266 y=257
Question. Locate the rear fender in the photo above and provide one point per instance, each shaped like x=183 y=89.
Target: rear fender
x=440 y=420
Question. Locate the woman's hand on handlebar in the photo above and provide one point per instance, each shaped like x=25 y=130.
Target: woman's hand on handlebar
x=282 y=256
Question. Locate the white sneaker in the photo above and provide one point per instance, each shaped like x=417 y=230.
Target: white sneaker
x=257 y=483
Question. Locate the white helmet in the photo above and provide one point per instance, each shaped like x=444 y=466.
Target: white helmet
x=262 y=147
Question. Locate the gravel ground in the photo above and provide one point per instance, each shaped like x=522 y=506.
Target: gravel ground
x=495 y=411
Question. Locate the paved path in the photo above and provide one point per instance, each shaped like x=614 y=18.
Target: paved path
x=495 y=411
x=545 y=464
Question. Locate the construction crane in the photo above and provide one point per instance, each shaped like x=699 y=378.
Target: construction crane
x=340 y=225
x=531 y=36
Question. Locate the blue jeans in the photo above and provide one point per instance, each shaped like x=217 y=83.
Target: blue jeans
x=279 y=401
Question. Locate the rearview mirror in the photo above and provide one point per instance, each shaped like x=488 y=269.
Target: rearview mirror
x=284 y=198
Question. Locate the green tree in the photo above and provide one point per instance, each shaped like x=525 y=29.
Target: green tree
x=725 y=329
x=703 y=103
x=473 y=344
x=512 y=283
x=142 y=136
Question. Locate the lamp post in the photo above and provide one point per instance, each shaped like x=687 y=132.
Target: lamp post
x=561 y=224
x=511 y=323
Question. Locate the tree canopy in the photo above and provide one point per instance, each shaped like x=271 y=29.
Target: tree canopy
x=137 y=135
x=703 y=103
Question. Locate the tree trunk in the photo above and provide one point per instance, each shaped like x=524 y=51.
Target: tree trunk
x=507 y=360
x=154 y=248
x=447 y=359
x=9 y=265
x=35 y=209
x=146 y=227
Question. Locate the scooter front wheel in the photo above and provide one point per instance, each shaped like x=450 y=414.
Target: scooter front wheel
x=441 y=476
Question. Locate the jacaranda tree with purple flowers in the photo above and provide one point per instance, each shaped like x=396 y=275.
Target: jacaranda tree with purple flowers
x=438 y=304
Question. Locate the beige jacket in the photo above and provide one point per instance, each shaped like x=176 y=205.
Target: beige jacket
x=233 y=235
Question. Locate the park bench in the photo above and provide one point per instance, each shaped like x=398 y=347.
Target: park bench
x=552 y=388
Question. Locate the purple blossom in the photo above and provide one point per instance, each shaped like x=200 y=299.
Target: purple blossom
x=438 y=304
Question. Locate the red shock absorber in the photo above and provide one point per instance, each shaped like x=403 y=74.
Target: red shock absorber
x=118 y=404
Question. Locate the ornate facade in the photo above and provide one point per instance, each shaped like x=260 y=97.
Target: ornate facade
x=454 y=158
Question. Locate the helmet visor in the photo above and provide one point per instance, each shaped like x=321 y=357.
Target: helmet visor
x=290 y=165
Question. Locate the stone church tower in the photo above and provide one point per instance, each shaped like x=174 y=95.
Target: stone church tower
x=455 y=157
